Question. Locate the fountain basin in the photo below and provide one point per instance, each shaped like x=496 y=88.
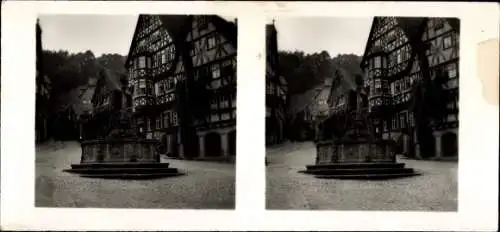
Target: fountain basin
x=119 y=151
x=349 y=159
x=121 y=158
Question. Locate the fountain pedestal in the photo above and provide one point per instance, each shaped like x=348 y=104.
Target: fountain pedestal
x=119 y=152
x=357 y=153
x=121 y=159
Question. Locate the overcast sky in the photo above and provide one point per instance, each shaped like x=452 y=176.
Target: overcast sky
x=315 y=34
x=78 y=33
x=113 y=33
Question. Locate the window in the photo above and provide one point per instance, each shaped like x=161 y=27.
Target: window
x=165 y=86
x=149 y=62
x=158 y=123
x=166 y=119
x=233 y=100
x=452 y=70
x=211 y=42
x=202 y=23
x=399 y=56
x=213 y=103
x=378 y=62
x=142 y=86
x=393 y=123
x=157 y=89
x=410 y=119
x=163 y=56
x=215 y=71
x=402 y=117
x=142 y=62
x=407 y=82
x=228 y=71
x=151 y=123
x=214 y=117
x=378 y=87
x=174 y=118
x=447 y=42
x=142 y=43
x=148 y=124
x=225 y=101
x=453 y=83
x=439 y=28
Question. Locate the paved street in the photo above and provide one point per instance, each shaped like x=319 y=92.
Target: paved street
x=207 y=185
x=434 y=190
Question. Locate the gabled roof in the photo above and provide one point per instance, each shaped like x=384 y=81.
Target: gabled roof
x=413 y=28
x=342 y=83
x=299 y=102
x=178 y=27
x=111 y=79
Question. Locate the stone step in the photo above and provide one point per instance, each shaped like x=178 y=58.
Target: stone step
x=132 y=176
x=354 y=165
x=368 y=176
x=119 y=165
x=122 y=170
x=352 y=171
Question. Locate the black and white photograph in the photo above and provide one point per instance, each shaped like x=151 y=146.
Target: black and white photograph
x=136 y=111
x=121 y=115
x=362 y=113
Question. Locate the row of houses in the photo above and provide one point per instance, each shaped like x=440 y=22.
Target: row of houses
x=392 y=69
x=181 y=76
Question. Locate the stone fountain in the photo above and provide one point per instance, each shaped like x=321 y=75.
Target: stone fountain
x=121 y=153
x=357 y=153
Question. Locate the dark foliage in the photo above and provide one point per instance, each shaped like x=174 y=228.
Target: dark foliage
x=67 y=72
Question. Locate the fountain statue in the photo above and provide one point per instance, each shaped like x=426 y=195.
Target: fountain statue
x=118 y=151
x=347 y=147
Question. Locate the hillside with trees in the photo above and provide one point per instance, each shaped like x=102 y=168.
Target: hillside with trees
x=69 y=74
x=304 y=71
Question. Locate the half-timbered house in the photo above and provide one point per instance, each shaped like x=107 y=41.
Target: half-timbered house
x=276 y=90
x=392 y=67
x=173 y=93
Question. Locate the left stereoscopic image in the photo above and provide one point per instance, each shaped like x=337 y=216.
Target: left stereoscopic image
x=136 y=111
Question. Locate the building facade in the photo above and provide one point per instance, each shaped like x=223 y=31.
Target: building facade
x=157 y=74
x=276 y=91
x=43 y=90
x=392 y=68
x=107 y=95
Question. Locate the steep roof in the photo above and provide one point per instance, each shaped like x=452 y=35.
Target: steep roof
x=178 y=26
x=323 y=95
x=109 y=78
x=112 y=79
x=299 y=102
x=342 y=83
x=411 y=26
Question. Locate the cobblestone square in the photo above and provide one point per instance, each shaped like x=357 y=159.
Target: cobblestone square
x=434 y=190
x=206 y=185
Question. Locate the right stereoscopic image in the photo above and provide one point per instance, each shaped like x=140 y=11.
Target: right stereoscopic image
x=362 y=113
